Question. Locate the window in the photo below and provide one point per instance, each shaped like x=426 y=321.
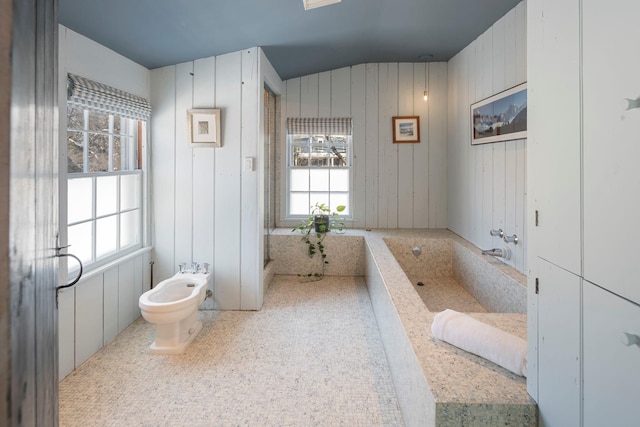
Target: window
x=319 y=164
x=104 y=180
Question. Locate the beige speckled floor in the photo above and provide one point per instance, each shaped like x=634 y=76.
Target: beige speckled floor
x=311 y=357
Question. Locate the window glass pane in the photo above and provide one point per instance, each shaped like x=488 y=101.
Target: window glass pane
x=98 y=153
x=79 y=199
x=106 y=235
x=129 y=192
x=319 y=180
x=318 y=198
x=75 y=148
x=79 y=237
x=118 y=125
x=338 y=199
x=75 y=117
x=339 y=179
x=299 y=155
x=117 y=153
x=106 y=195
x=129 y=228
x=299 y=203
x=98 y=121
x=299 y=179
x=320 y=156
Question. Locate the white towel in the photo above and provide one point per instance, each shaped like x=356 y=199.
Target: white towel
x=481 y=339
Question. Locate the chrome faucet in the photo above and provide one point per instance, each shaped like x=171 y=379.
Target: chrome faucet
x=497 y=252
x=492 y=252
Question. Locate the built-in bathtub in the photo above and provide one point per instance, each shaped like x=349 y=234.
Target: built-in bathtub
x=436 y=383
x=449 y=273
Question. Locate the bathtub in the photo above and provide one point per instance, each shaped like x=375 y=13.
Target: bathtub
x=436 y=383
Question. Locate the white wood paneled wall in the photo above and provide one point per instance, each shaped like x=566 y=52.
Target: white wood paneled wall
x=98 y=308
x=486 y=183
x=206 y=206
x=104 y=302
x=394 y=185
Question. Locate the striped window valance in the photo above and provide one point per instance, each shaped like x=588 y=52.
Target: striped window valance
x=97 y=96
x=314 y=126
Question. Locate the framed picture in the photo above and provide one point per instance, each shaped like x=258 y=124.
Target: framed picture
x=406 y=129
x=204 y=127
x=501 y=117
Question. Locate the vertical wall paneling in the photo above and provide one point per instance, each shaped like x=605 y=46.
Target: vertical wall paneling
x=127 y=302
x=89 y=318
x=388 y=161
x=358 y=115
x=228 y=181
x=420 y=159
x=438 y=147
x=406 y=99
x=183 y=162
x=454 y=147
x=371 y=137
x=499 y=154
x=66 y=334
x=487 y=188
x=308 y=96
x=341 y=92
x=476 y=71
x=395 y=185
x=204 y=96
x=324 y=94
x=251 y=226
x=163 y=103
x=110 y=302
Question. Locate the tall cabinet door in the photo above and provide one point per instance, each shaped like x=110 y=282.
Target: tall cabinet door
x=558 y=346
x=553 y=145
x=611 y=358
x=611 y=105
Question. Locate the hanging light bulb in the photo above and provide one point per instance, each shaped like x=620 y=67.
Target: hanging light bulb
x=426 y=96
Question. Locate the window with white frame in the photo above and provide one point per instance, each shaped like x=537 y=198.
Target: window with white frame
x=319 y=160
x=104 y=175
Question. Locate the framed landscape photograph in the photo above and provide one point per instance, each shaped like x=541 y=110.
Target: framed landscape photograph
x=204 y=127
x=501 y=117
x=406 y=129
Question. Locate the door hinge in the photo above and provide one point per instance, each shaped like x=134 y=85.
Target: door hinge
x=536 y=217
x=537 y=285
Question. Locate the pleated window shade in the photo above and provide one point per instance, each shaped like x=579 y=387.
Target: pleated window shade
x=318 y=126
x=97 y=96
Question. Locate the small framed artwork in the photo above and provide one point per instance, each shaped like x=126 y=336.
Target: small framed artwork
x=501 y=117
x=204 y=127
x=406 y=129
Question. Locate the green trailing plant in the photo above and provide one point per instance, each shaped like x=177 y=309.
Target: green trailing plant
x=315 y=228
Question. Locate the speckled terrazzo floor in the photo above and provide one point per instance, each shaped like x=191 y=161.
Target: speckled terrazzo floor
x=312 y=356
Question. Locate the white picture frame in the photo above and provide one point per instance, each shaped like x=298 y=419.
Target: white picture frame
x=204 y=127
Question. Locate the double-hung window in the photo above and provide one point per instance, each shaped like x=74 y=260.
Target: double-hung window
x=319 y=163
x=104 y=171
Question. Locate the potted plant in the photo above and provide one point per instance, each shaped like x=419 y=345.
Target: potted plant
x=315 y=228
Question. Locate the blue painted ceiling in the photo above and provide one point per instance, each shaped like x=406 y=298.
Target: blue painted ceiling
x=155 y=33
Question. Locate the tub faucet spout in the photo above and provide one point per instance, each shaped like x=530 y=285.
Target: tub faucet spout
x=497 y=252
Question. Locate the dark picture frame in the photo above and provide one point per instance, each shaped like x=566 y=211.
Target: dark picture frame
x=406 y=129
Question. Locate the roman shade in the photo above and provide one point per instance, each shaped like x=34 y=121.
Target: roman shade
x=322 y=126
x=97 y=96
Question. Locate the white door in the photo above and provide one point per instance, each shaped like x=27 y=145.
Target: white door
x=611 y=106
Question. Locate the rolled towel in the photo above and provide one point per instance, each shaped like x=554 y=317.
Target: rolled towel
x=481 y=339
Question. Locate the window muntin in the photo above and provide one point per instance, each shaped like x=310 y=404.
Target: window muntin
x=104 y=185
x=319 y=171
